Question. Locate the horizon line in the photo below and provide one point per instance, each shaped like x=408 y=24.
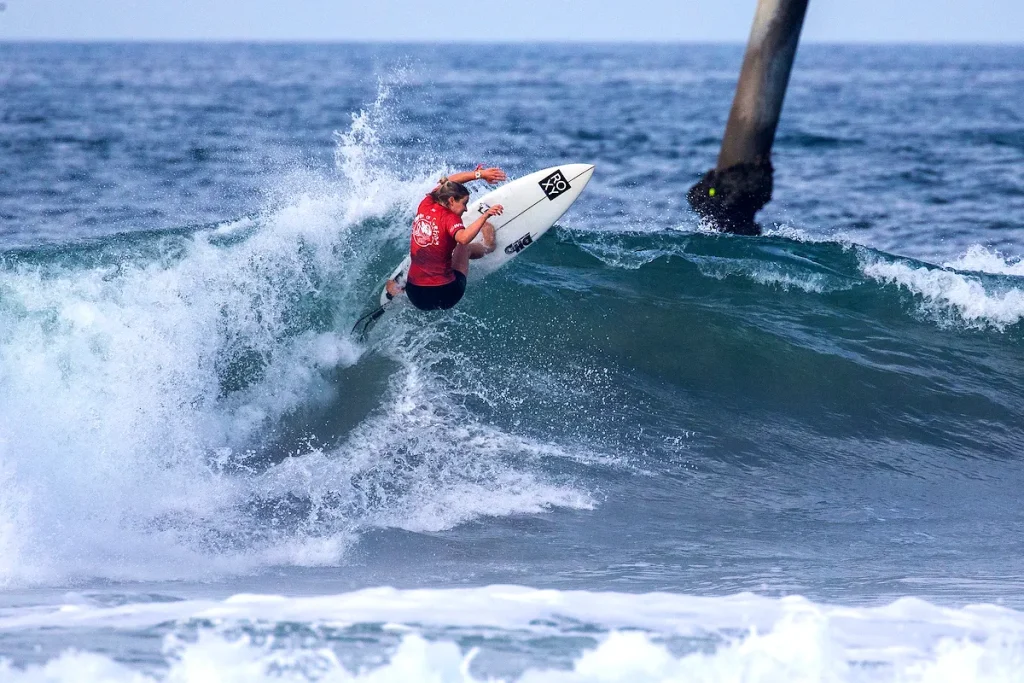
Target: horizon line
x=854 y=42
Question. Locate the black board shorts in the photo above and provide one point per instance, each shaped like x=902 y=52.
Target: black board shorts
x=437 y=297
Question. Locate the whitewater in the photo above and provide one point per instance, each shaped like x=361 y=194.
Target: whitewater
x=643 y=451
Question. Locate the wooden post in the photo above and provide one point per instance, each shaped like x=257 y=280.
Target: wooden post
x=741 y=183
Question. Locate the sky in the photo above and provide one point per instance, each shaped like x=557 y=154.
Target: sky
x=929 y=21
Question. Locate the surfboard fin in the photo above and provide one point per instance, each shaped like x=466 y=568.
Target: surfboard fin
x=367 y=322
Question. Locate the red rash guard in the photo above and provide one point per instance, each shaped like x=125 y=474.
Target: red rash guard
x=432 y=244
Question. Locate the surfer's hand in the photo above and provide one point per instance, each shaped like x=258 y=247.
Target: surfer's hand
x=491 y=175
x=495 y=210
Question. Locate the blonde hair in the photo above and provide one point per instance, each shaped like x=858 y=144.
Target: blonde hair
x=448 y=189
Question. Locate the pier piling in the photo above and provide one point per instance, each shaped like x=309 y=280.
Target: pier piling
x=729 y=195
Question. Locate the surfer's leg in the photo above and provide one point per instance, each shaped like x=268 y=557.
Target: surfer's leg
x=477 y=249
x=464 y=252
x=460 y=258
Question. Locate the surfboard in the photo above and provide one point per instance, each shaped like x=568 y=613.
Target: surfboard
x=531 y=206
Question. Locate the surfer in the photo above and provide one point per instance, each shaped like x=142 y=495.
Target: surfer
x=442 y=246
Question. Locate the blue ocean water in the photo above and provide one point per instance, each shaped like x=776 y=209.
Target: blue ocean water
x=643 y=451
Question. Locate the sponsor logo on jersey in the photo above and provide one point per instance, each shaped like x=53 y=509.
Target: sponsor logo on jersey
x=424 y=232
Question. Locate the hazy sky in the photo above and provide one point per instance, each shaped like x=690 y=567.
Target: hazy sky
x=502 y=20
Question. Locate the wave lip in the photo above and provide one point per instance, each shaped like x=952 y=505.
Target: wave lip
x=981 y=259
x=949 y=295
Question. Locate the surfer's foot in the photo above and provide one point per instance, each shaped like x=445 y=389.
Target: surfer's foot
x=392 y=288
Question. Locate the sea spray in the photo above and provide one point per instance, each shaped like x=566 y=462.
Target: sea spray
x=128 y=377
x=152 y=392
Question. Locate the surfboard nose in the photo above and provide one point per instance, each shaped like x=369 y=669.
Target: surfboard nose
x=580 y=173
x=577 y=169
x=583 y=175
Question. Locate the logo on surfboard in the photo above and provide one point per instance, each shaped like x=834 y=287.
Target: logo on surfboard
x=554 y=185
x=520 y=244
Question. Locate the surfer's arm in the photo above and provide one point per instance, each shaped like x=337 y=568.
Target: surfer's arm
x=491 y=175
x=469 y=233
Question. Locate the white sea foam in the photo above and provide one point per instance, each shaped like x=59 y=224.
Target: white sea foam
x=422 y=465
x=13 y=520
x=985 y=260
x=869 y=629
x=808 y=282
x=654 y=637
x=791 y=232
x=951 y=297
x=796 y=234
x=793 y=653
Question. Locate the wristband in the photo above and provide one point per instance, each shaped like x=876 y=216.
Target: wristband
x=478 y=174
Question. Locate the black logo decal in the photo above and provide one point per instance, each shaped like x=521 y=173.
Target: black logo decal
x=554 y=185
x=520 y=244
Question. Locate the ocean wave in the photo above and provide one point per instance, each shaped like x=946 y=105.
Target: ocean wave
x=961 y=293
x=201 y=404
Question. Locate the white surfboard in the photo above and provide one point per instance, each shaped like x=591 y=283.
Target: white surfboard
x=531 y=206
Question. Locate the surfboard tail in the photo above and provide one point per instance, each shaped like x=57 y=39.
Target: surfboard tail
x=366 y=322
